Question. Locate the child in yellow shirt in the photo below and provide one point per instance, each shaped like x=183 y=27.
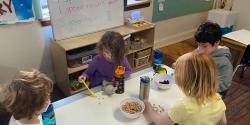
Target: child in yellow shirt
x=195 y=74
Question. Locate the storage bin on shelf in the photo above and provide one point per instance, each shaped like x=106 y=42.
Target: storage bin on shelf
x=127 y=44
x=142 y=57
x=81 y=56
x=74 y=84
x=137 y=43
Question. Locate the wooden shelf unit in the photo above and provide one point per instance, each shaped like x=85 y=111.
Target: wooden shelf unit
x=61 y=47
x=73 y=70
x=72 y=92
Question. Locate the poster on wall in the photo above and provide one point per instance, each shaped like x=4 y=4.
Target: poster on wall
x=12 y=11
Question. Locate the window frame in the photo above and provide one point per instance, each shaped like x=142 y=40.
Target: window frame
x=142 y=4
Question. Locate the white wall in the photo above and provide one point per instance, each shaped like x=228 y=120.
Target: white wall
x=173 y=30
x=243 y=17
x=24 y=46
x=177 y=29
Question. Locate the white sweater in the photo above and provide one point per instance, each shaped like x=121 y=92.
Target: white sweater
x=13 y=121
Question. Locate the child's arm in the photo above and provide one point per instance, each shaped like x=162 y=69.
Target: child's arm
x=90 y=70
x=225 y=73
x=128 y=69
x=157 y=118
x=223 y=120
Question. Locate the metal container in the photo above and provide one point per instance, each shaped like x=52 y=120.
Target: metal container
x=144 y=88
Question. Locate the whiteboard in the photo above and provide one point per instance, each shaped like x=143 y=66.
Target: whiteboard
x=71 y=18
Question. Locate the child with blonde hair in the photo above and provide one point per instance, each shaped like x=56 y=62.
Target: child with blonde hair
x=27 y=96
x=195 y=74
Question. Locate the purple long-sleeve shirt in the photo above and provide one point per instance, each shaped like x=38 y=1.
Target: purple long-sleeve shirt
x=100 y=69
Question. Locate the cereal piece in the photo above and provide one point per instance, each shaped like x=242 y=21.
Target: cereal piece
x=158 y=108
x=155 y=108
x=162 y=109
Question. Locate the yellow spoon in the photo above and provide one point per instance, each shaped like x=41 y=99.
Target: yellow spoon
x=90 y=91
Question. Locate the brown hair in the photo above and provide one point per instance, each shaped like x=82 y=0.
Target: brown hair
x=114 y=42
x=27 y=93
x=195 y=74
x=208 y=32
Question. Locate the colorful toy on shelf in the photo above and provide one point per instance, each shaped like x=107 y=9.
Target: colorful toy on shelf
x=140 y=24
x=75 y=85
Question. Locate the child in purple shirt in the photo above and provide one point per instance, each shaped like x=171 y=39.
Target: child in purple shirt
x=111 y=54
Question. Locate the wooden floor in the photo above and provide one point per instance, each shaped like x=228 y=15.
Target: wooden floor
x=238 y=97
x=172 y=52
x=238 y=100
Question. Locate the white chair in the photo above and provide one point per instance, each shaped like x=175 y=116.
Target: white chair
x=242 y=37
x=245 y=62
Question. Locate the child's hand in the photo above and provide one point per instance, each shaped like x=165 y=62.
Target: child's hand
x=114 y=89
x=148 y=106
x=109 y=89
x=147 y=103
x=81 y=78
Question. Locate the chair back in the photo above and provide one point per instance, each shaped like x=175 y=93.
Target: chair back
x=246 y=57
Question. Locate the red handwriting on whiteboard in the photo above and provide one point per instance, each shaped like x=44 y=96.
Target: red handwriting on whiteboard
x=84 y=20
x=4 y=5
x=77 y=8
x=112 y=1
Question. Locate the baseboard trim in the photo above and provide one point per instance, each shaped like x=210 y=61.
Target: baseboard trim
x=174 y=39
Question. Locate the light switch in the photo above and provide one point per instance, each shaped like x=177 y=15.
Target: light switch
x=161 y=5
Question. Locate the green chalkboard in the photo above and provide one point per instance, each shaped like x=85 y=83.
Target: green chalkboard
x=176 y=8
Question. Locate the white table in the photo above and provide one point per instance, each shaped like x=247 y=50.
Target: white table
x=80 y=109
x=241 y=36
x=237 y=41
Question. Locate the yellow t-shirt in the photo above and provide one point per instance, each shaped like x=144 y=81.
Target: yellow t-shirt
x=188 y=112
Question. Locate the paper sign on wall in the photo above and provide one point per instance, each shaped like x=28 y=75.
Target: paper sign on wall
x=12 y=11
x=7 y=12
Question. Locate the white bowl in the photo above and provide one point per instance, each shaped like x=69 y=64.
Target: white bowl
x=132 y=115
x=159 y=78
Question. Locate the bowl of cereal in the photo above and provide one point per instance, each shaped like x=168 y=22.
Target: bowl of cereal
x=132 y=108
